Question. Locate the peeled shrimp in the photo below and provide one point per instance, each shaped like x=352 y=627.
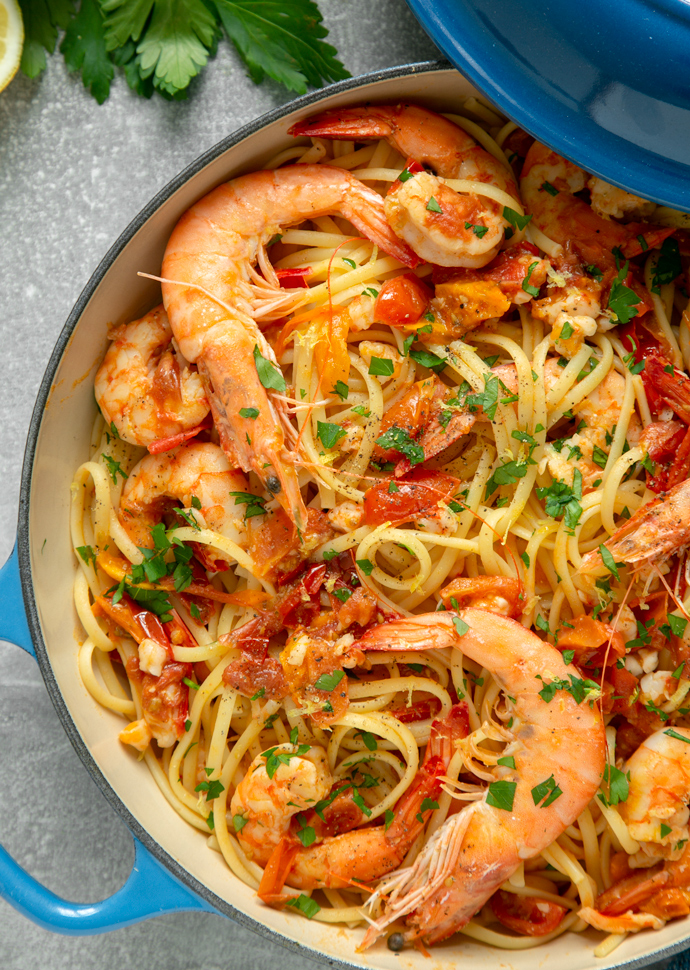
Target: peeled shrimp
x=443 y=237
x=654 y=532
x=213 y=296
x=656 y=814
x=195 y=471
x=140 y=387
x=268 y=804
x=659 y=789
x=474 y=851
x=359 y=855
x=565 y=218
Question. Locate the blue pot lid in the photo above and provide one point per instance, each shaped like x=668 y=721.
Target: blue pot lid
x=607 y=85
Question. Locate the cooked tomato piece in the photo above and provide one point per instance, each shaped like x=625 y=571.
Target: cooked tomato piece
x=402 y=301
x=590 y=639
x=417 y=494
x=527 y=915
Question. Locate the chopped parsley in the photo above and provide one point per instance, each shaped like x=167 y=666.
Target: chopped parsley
x=366 y=566
x=427 y=359
x=507 y=762
x=515 y=219
x=113 y=467
x=546 y=792
x=479 y=231
x=397 y=439
x=309 y=907
x=212 y=789
x=433 y=206
x=329 y=682
x=87 y=554
x=668 y=265
x=251 y=413
x=617 y=785
x=274 y=760
x=526 y=285
x=623 y=300
x=563 y=500
x=381 y=367
x=255 y=504
x=329 y=434
x=501 y=794
x=269 y=373
x=342 y=390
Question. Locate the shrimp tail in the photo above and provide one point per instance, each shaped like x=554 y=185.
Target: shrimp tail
x=408 y=888
x=362 y=207
x=425 y=632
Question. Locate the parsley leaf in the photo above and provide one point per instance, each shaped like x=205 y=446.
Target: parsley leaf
x=342 y=390
x=479 y=231
x=255 y=504
x=381 y=367
x=269 y=373
x=329 y=434
x=526 y=285
x=506 y=474
x=461 y=627
x=617 y=785
x=547 y=790
x=329 y=682
x=515 y=219
x=562 y=500
x=623 y=300
x=251 y=413
x=113 y=468
x=305 y=905
x=87 y=554
x=433 y=206
x=212 y=789
x=609 y=561
x=501 y=794
x=507 y=762
x=84 y=50
x=398 y=439
x=668 y=265
x=366 y=566
x=679 y=737
x=486 y=399
x=427 y=359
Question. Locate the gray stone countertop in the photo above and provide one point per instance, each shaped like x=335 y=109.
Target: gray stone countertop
x=72 y=176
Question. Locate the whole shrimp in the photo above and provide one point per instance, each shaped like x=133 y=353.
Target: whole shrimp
x=141 y=389
x=556 y=741
x=656 y=813
x=443 y=233
x=213 y=297
x=653 y=532
x=269 y=806
x=195 y=471
x=548 y=184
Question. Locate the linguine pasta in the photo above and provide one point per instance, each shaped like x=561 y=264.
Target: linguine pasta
x=552 y=459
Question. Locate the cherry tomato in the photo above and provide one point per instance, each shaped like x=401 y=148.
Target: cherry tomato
x=401 y=301
x=417 y=494
x=527 y=915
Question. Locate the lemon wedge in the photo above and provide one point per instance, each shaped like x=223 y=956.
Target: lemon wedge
x=11 y=40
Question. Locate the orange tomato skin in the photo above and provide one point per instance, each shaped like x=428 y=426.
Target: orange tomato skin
x=401 y=301
x=418 y=494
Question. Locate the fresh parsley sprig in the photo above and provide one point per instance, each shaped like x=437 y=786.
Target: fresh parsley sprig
x=161 y=45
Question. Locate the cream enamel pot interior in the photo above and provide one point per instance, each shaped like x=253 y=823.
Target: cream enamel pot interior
x=58 y=443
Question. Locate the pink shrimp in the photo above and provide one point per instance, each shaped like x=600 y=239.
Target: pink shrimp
x=443 y=233
x=548 y=184
x=213 y=297
x=558 y=744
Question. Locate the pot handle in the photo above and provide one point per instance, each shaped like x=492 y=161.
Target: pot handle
x=149 y=891
x=13 y=625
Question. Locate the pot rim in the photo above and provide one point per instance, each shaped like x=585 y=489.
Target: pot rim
x=222 y=907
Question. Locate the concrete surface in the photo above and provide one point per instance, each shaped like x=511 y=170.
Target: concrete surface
x=72 y=176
